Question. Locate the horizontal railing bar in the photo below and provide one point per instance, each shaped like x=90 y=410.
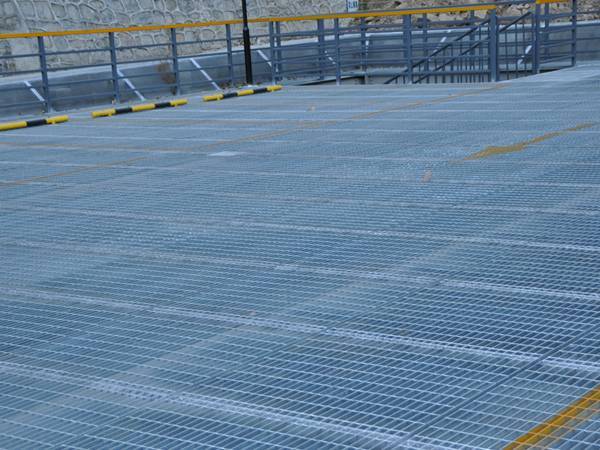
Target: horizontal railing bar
x=203 y=41
x=156 y=59
x=13 y=88
x=141 y=46
x=77 y=52
x=20 y=72
x=64 y=98
x=86 y=66
x=17 y=105
x=76 y=82
x=204 y=67
x=21 y=55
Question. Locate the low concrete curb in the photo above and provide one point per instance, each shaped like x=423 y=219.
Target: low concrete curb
x=33 y=123
x=243 y=93
x=138 y=108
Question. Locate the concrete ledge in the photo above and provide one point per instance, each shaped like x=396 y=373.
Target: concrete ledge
x=33 y=123
x=242 y=93
x=138 y=108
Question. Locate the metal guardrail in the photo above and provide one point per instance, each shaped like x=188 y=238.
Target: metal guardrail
x=483 y=46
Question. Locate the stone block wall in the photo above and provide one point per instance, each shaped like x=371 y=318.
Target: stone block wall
x=48 y=15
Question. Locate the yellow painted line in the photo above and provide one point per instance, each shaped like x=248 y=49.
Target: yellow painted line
x=212 y=98
x=542 y=2
x=13 y=125
x=276 y=87
x=245 y=92
x=104 y=113
x=256 y=137
x=519 y=146
x=403 y=12
x=553 y=429
x=145 y=107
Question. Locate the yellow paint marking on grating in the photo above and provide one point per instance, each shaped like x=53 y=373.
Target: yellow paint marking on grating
x=520 y=146
x=567 y=420
x=259 y=136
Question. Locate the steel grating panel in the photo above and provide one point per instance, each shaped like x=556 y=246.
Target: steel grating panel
x=320 y=268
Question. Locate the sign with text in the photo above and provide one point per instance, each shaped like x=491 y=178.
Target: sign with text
x=352 y=5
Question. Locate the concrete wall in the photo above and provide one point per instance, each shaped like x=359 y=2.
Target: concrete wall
x=47 y=15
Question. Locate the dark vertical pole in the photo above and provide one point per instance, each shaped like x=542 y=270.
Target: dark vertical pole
x=175 y=60
x=114 y=67
x=407 y=35
x=363 y=49
x=426 y=44
x=471 y=59
x=493 y=51
x=536 y=39
x=546 y=29
x=321 y=42
x=230 y=55
x=247 y=47
x=278 y=52
x=338 y=55
x=44 y=73
x=272 y=51
x=574 y=33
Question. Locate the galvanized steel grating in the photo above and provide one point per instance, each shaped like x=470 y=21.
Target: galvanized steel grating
x=323 y=268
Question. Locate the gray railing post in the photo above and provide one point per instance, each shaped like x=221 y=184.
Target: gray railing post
x=114 y=68
x=363 y=48
x=230 y=54
x=44 y=74
x=321 y=47
x=493 y=43
x=574 y=32
x=175 y=60
x=546 y=28
x=272 y=52
x=338 y=67
x=535 y=65
x=426 y=44
x=277 y=60
x=471 y=56
x=407 y=37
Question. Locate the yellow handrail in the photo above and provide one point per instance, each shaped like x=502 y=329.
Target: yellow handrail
x=402 y=12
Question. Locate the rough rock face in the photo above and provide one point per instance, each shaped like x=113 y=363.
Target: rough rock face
x=66 y=14
x=372 y=5
x=47 y=15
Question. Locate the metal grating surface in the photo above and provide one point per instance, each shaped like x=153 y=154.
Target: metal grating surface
x=319 y=268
